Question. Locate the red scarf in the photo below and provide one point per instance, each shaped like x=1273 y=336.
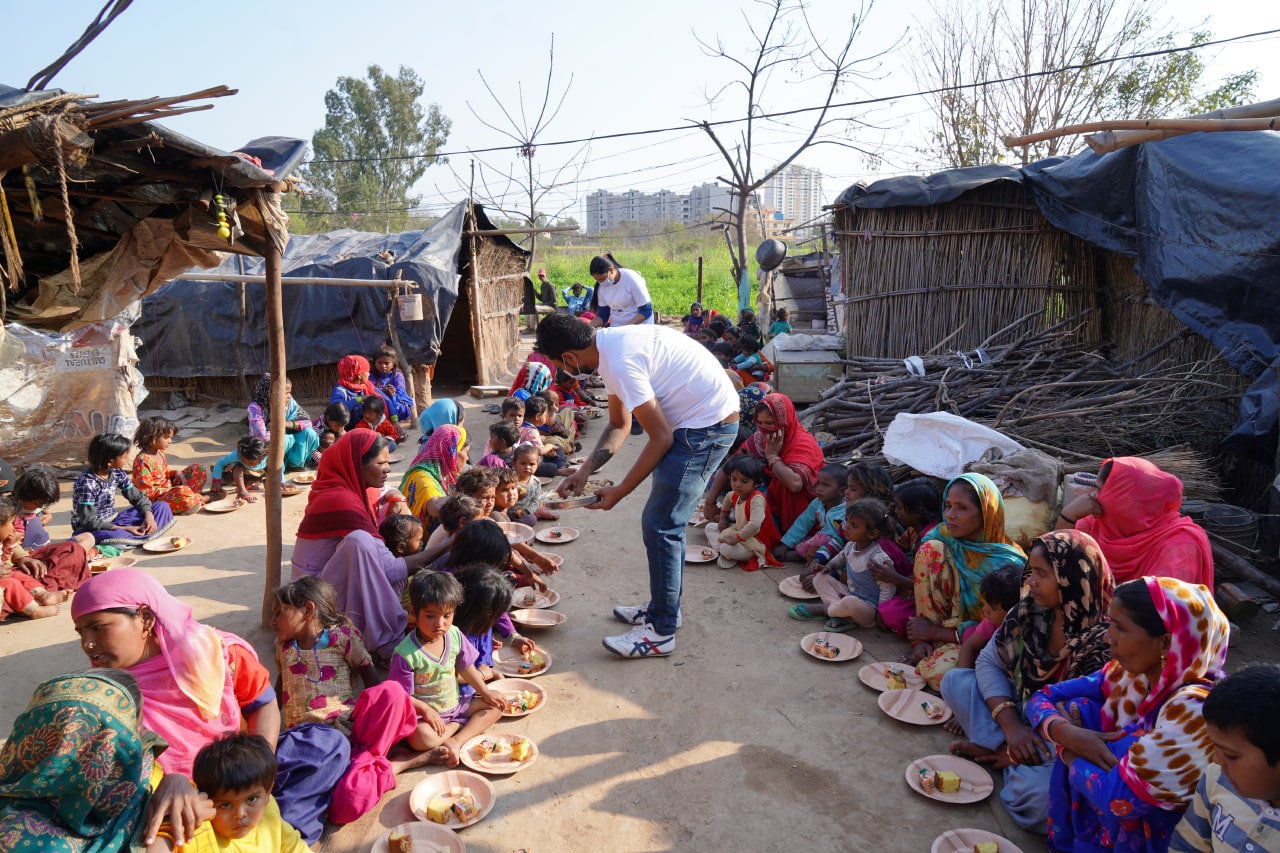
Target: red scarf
x=800 y=452
x=340 y=502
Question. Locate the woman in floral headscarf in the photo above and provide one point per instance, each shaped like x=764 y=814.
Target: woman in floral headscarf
x=1132 y=743
x=534 y=377
x=434 y=470
x=300 y=440
x=1056 y=633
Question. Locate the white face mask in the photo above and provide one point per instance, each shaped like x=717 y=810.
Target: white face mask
x=577 y=368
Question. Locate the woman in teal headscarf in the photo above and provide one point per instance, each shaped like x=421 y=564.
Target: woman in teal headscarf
x=438 y=414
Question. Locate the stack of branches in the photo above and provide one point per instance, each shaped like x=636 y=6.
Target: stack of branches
x=1042 y=389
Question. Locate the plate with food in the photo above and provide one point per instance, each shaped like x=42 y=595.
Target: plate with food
x=305 y=478
x=523 y=696
x=557 y=535
x=890 y=676
x=949 y=779
x=453 y=799
x=298 y=485
x=532 y=617
x=972 y=841
x=591 y=411
x=98 y=565
x=792 y=588
x=512 y=664
x=699 y=553
x=527 y=596
x=517 y=533
x=166 y=546
x=227 y=504
x=288 y=490
x=587 y=497
x=419 y=837
x=498 y=753
x=831 y=647
x=915 y=707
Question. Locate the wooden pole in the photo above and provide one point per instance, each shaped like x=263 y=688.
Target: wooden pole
x=275 y=454
x=699 y=278
x=244 y=385
x=1108 y=140
x=1182 y=125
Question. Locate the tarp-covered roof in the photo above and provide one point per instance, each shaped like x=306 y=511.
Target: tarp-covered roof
x=1199 y=214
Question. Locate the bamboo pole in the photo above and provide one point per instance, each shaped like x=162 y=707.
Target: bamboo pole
x=1108 y=140
x=1181 y=125
x=275 y=454
x=493 y=232
x=235 y=278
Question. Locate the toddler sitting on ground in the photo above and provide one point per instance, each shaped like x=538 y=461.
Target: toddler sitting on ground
x=745 y=533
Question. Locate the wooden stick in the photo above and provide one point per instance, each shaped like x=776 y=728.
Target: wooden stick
x=275 y=453
x=1182 y=125
x=1242 y=568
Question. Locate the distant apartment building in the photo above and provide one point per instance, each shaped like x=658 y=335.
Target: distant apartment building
x=606 y=211
x=795 y=195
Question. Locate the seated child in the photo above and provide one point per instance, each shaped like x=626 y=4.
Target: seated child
x=481 y=484
x=747 y=324
x=402 y=533
x=569 y=391
x=300 y=441
x=917 y=506
x=1000 y=590
x=354 y=389
x=455 y=513
x=93 y=497
x=386 y=376
x=486 y=597
x=819 y=524
x=430 y=662
x=1237 y=803
x=503 y=435
x=750 y=364
x=483 y=542
x=237 y=772
x=181 y=490
x=745 y=533
x=781 y=324
x=331 y=425
x=373 y=415
x=20 y=590
x=535 y=416
x=869 y=480
x=391 y=502
x=505 y=497
x=513 y=410
x=694 y=319
x=563 y=424
x=525 y=463
x=35 y=490
x=245 y=467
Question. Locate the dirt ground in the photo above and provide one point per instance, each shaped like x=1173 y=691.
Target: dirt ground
x=738 y=741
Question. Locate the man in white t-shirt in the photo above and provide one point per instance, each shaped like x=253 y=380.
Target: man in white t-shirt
x=622 y=295
x=682 y=397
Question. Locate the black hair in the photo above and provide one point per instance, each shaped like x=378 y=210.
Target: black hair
x=481 y=541
x=835 y=472
x=873 y=512
x=8 y=508
x=309 y=589
x=250 y=447
x=563 y=376
x=1002 y=586
x=456 y=509
x=920 y=498
x=151 y=428
x=523 y=448
x=506 y=432
x=385 y=351
x=505 y=476
x=875 y=480
x=601 y=264
x=751 y=467
x=379 y=445
x=374 y=403
x=439 y=588
x=780 y=314
x=718 y=324
x=1247 y=704
x=338 y=413
x=234 y=762
x=105 y=447
x=513 y=404
x=734 y=331
x=558 y=333
x=37 y=483
x=746 y=315
x=473 y=480
x=397 y=530
x=1135 y=598
x=535 y=405
x=486 y=595
x=748 y=344
x=723 y=348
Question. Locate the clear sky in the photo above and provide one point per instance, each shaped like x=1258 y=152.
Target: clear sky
x=634 y=66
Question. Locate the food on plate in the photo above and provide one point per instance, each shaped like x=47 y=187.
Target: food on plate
x=555 y=533
x=987 y=847
x=533 y=662
x=823 y=649
x=526 y=700
x=528 y=600
x=400 y=842
x=932 y=709
x=948 y=782
x=708 y=554
x=180 y=541
x=459 y=802
x=896 y=677
x=521 y=748
x=927 y=781
x=484 y=749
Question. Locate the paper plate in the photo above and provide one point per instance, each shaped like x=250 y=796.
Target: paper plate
x=904 y=705
x=873 y=675
x=510 y=688
x=963 y=841
x=557 y=535
x=590 y=411
x=516 y=532
x=975 y=781
x=699 y=553
x=792 y=588
x=698 y=519
x=451 y=780
x=305 y=477
x=527 y=596
x=229 y=504
x=106 y=564
x=500 y=760
x=427 y=838
x=555 y=558
x=847 y=648
x=508 y=662
x=298 y=485
x=166 y=546
x=534 y=618
x=288 y=490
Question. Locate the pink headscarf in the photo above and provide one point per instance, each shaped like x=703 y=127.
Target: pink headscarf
x=439 y=456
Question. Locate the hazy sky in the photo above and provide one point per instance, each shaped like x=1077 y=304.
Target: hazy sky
x=634 y=66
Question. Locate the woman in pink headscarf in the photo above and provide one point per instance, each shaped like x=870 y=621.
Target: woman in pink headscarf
x=1136 y=521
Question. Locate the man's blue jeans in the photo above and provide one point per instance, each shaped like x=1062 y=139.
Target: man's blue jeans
x=678 y=484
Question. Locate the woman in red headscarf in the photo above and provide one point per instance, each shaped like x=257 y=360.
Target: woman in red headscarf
x=354 y=387
x=1136 y=521
x=338 y=540
x=792 y=460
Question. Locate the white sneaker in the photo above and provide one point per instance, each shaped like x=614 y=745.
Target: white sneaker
x=638 y=614
x=641 y=642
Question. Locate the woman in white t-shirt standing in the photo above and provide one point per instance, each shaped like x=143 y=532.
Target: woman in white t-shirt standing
x=622 y=294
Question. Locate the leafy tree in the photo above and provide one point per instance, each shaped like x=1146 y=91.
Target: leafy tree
x=966 y=43
x=376 y=143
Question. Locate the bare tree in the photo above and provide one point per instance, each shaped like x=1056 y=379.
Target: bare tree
x=783 y=41
x=530 y=184
x=1037 y=46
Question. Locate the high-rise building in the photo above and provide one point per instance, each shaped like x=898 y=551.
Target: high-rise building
x=796 y=194
x=606 y=211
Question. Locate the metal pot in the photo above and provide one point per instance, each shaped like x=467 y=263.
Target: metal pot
x=770 y=254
